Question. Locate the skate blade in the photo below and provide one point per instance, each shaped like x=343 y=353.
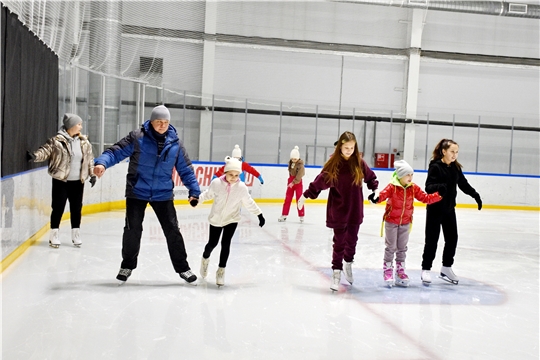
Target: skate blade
x=402 y=284
x=454 y=282
x=426 y=283
x=54 y=246
x=389 y=284
x=77 y=245
x=120 y=282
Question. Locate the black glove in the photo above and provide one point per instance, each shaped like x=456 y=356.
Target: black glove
x=30 y=156
x=478 y=200
x=261 y=220
x=193 y=202
x=372 y=198
x=442 y=189
x=93 y=180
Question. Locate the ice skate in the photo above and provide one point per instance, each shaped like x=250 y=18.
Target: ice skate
x=347 y=270
x=76 y=237
x=189 y=277
x=204 y=267
x=448 y=275
x=336 y=279
x=401 y=278
x=388 y=274
x=301 y=219
x=282 y=218
x=54 y=241
x=220 y=276
x=123 y=275
x=426 y=277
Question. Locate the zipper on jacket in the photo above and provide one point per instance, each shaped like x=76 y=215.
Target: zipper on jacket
x=404 y=204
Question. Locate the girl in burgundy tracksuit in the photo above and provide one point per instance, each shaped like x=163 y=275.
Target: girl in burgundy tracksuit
x=343 y=174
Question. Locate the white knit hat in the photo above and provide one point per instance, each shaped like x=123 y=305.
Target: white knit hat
x=295 y=154
x=232 y=164
x=403 y=168
x=237 y=152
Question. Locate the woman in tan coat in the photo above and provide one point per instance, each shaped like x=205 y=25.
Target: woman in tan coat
x=71 y=162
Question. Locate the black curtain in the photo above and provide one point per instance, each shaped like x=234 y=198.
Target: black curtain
x=29 y=87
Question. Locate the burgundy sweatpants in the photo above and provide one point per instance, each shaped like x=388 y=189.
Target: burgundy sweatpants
x=345 y=240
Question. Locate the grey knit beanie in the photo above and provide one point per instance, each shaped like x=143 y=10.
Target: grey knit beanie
x=403 y=168
x=70 y=120
x=160 y=112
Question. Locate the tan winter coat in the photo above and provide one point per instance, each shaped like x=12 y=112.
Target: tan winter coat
x=57 y=150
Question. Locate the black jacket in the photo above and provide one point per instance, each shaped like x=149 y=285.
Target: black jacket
x=441 y=174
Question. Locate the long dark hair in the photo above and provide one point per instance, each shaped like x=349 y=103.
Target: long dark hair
x=332 y=166
x=444 y=144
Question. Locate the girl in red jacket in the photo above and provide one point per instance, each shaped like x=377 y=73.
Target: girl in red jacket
x=399 y=196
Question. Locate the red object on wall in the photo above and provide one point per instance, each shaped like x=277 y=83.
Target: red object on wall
x=381 y=160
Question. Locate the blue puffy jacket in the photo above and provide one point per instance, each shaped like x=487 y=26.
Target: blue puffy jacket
x=149 y=175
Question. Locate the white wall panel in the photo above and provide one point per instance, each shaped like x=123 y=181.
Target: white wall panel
x=178 y=15
x=278 y=76
x=374 y=84
x=479 y=90
x=322 y=21
x=481 y=34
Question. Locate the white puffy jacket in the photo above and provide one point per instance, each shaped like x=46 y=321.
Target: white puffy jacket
x=228 y=200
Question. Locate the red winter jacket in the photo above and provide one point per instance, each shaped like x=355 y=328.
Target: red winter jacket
x=399 y=205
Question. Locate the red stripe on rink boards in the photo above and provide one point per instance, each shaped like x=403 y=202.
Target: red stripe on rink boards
x=204 y=174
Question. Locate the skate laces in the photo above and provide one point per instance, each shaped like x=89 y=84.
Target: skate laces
x=125 y=272
x=401 y=273
x=186 y=274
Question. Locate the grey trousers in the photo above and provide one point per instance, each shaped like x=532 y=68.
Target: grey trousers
x=396 y=239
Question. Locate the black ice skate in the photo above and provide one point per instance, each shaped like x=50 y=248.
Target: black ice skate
x=189 y=277
x=448 y=275
x=123 y=275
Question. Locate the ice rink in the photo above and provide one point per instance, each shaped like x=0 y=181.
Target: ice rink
x=276 y=303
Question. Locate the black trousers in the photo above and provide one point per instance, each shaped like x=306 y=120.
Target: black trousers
x=435 y=220
x=131 y=240
x=215 y=232
x=61 y=192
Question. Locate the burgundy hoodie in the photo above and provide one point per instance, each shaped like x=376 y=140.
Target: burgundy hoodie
x=345 y=200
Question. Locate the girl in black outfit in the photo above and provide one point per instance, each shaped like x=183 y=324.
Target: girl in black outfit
x=444 y=175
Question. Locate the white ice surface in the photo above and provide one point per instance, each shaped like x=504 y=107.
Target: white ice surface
x=276 y=303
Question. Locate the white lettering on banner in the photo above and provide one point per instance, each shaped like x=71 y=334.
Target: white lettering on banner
x=204 y=174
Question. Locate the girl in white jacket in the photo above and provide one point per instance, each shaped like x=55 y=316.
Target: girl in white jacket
x=229 y=193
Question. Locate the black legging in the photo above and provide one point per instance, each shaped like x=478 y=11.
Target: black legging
x=215 y=232
x=131 y=239
x=61 y=192
x=435 y=219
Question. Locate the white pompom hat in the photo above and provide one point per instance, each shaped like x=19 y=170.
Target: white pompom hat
x=295 y=154
x=232 y=164
x=237 y=152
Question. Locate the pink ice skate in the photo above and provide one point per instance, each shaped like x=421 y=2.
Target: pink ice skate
x=388 y=273
x=401 y=278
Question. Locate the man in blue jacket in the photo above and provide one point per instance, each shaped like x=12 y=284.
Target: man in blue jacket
x=154 y=151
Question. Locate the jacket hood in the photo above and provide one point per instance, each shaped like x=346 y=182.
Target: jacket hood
x=171 y=133
x=62 y=131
